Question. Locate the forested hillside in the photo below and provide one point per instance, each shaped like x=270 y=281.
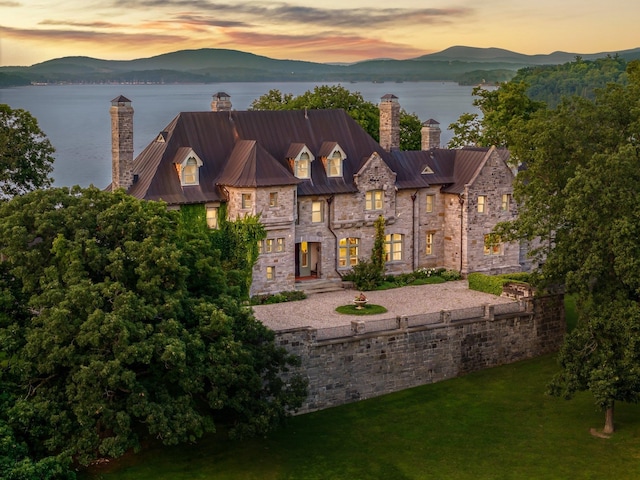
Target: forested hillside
x=549 y=83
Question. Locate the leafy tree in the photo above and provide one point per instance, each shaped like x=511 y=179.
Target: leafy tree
x=331 y=97
x=117 y=326
x=579 y=197
x=501 y=108
x=26 y=155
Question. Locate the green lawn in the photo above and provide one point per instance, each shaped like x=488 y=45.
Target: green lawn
x=495 y=424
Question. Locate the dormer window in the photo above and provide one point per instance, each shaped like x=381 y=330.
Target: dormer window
x=190 y=172
x=303 y=166
x=334 y=164
x=188 y=166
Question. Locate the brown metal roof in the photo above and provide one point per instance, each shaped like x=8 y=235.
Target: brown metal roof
x=251 y=148
x=254 y=148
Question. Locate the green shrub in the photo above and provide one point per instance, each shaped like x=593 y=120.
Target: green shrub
x=493 y=283
x=288 y=296
x=366 y=275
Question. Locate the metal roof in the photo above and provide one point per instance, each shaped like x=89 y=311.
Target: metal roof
x=254 y=149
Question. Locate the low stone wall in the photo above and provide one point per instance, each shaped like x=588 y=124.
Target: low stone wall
x=367 y=359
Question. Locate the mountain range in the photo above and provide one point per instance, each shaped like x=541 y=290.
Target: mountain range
x=465 y=65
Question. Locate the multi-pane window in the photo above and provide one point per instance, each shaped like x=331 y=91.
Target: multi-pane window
x=334 y=165
x=316 y=212
x=280 y=245
x=482 y=203
x=268 y=245
x=273 y=199
x=393 y=247
x=247 y=201
x=212 y=217
x=260 y=247
x=430 y=202
x=302 y=166
x=271 y=273
x=492 y=245
x=190 y=172
x=348 y=252
x=506 y=202
x=373 y=200
x=429 y=247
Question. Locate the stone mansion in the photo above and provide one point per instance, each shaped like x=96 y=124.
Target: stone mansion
x=319 y=182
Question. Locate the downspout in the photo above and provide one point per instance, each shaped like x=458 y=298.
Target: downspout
x=461 y=201
x=335 y=264
x=413 y=231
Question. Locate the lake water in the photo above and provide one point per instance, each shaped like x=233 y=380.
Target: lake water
x=76 y=118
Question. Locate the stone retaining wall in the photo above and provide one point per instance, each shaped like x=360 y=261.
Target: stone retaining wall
x=407 y=352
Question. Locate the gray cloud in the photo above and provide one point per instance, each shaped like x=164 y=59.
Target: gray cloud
x=339 y=18
x=87 y=36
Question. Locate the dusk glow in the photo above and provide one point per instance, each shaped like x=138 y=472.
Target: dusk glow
x=33 y=31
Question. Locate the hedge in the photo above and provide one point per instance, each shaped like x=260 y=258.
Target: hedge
x=493 y=283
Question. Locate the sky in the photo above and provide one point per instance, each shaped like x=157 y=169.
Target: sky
x=32 y=31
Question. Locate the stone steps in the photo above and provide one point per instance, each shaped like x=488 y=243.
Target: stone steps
x=318 y=286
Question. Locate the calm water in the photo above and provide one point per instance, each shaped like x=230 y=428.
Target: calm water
x=76 y=119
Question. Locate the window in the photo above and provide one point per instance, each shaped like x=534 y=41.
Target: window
x=280 y=245
x=373 y=200
x=393 y=247
x=316 y=212
x=429 y=205
x=268 y=245
x=302 y=165
x=212 y=217
x=482 y=203
x=429 y=248
x=271 y=273
x=259 y=247
x=190 y=172
x=246 y=201
x=348 y=252
x=273 y=199
x=334 y=164
x=492 y=245
x=506 y=202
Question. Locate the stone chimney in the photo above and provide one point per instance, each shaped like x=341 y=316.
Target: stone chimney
x=221 y=102
x=430 y=134
x=121 y=143
x=389 y=122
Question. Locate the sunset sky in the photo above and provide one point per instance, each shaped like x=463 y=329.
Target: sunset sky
x=32 y=31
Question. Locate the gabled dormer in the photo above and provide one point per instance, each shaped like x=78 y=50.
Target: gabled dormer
x=188 y=164
x=333 y=157
x=300 y=158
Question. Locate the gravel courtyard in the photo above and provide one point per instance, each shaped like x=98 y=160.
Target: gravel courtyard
x=318 y=310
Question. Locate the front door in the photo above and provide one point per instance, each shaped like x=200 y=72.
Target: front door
x=304 y=259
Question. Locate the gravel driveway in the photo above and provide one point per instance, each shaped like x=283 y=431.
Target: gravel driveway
x=318 y=310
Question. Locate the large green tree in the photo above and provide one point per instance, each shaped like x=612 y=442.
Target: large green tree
x=120 y=323
x=328 y=97
x=26 y=155
x=579 y=199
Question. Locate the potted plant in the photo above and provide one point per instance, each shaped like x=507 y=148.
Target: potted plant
x=360 y=301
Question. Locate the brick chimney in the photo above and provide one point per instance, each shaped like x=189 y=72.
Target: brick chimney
x=389 y=122
x=121 y=143
x=430 y=134
x=221 y=102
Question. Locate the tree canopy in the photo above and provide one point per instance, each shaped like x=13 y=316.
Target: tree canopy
x=26 y=155
x=120 y=323
x=578 y=200
x=328 y=97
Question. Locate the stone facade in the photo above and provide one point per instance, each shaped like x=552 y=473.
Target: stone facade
x=420 y=350
x=321 y=223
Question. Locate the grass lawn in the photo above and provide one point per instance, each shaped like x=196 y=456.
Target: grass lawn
x=495 y=424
